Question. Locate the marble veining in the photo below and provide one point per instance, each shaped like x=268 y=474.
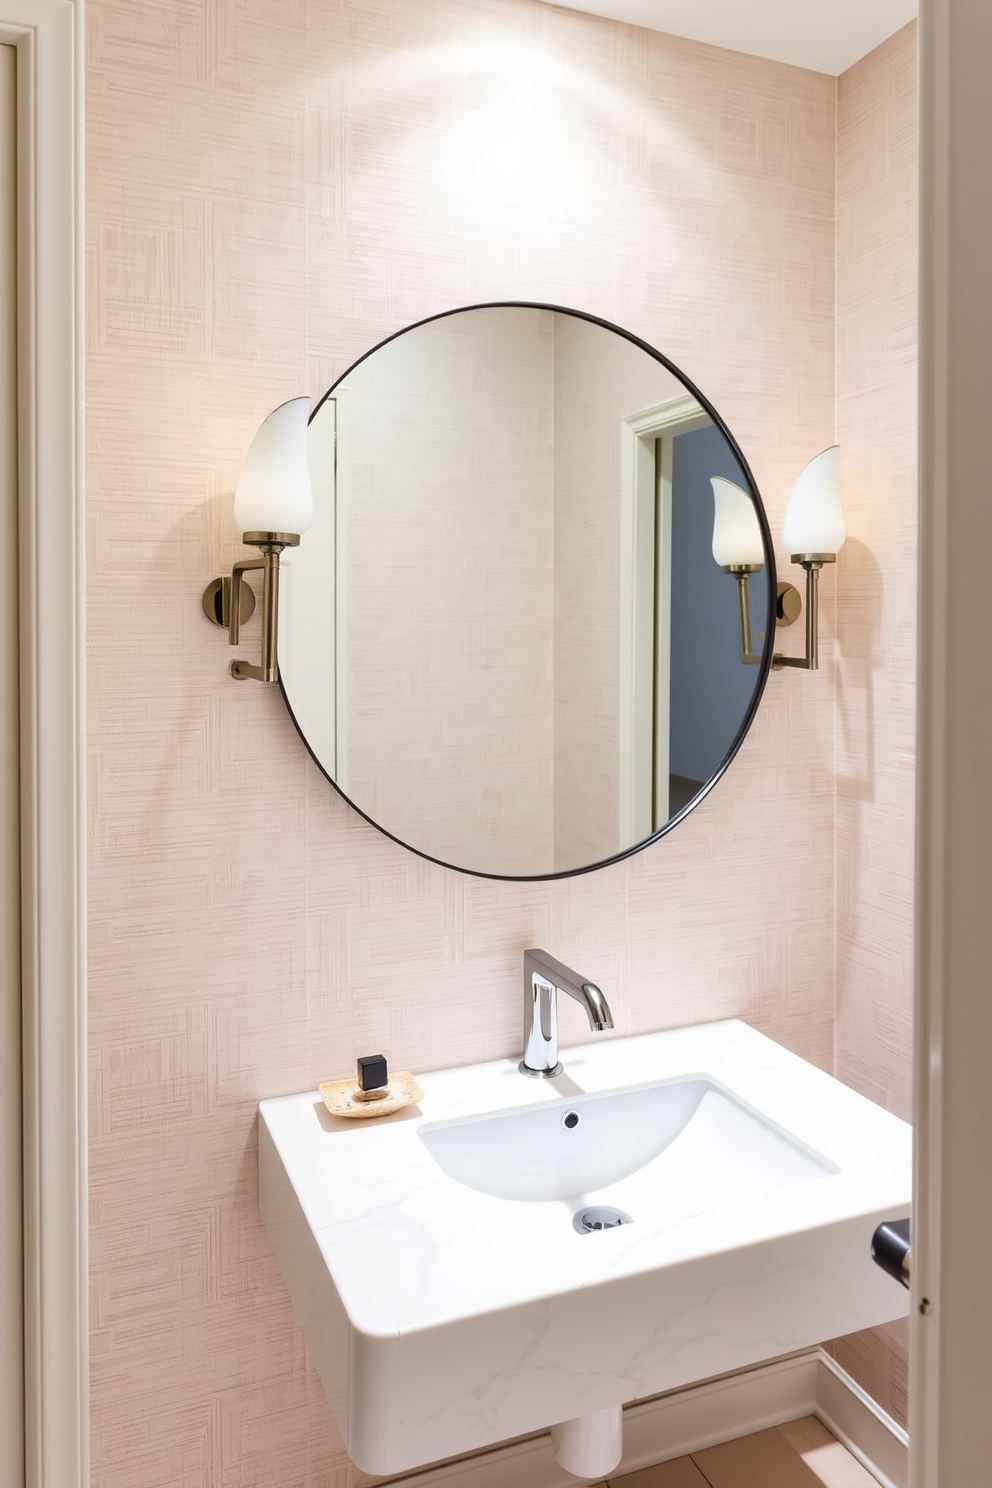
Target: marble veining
x=442 y=1318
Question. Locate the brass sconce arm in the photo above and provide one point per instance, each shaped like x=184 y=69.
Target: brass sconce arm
x=740 y=572
x=812 y=563
x=273 y=494
x=227 y=602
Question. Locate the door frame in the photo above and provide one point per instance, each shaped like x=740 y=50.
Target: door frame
x=48 y=37
x=645 y=583
x=951 y=1314
x=49 y=40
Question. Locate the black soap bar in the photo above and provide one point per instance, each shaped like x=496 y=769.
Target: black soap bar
x=372 y=1073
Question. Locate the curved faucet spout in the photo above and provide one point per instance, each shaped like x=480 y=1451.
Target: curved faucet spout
x=596 y=1006
x=544 y=978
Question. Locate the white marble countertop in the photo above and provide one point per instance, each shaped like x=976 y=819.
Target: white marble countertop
x=406 y=1245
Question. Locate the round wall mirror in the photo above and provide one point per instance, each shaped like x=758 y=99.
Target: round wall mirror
x=505 y=638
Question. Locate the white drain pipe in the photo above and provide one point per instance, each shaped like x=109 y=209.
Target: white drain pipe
x=592 y=1445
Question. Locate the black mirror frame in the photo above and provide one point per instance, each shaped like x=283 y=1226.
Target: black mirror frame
x=770 y=618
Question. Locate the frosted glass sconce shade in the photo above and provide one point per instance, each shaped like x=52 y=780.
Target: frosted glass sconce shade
x=273 y=492
x=814 y=518
x=736 y=534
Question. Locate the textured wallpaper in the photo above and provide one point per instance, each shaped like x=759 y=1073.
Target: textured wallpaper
x=272 y=187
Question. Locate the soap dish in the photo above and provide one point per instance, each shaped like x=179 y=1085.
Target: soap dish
x=342 y=1097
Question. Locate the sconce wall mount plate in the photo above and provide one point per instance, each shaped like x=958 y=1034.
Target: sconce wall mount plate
x=788 y=604
x=217 y=601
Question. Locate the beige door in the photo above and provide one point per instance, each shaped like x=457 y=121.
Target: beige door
x=11 y=1284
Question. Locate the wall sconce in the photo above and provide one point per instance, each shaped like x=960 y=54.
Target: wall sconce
x=273 y=507
x=813 y=533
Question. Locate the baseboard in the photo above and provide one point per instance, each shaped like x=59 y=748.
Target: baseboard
x=878 y=1442
x=806 y=1384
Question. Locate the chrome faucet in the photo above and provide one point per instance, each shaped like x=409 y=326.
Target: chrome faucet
x=544 y=978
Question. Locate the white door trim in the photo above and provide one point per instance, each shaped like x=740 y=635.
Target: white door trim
x=951 y=1317
x=48 y=35
x=11 y=1103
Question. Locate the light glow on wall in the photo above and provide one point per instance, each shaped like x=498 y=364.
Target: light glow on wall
x=516 y=127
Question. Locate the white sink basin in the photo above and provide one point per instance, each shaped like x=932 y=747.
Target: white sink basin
x=447 y=1299
x=692 y=1133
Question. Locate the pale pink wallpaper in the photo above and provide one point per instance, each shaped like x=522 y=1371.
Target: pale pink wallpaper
x=876 y=581
x=273 y=186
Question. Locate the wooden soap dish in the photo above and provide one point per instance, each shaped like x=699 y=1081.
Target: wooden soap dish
x=344 y=1098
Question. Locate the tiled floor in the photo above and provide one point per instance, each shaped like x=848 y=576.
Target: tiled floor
x=802 y=1454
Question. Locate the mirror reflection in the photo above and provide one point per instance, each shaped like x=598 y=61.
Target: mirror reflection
x=505 y=638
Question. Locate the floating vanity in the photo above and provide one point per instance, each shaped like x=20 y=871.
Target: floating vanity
x=453 y=1283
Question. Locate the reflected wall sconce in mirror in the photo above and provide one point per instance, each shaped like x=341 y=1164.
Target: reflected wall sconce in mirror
x=737 y=548
x=813 y=533
x=273 y=507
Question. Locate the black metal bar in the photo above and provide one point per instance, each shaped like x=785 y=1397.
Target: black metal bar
x=890 y=1248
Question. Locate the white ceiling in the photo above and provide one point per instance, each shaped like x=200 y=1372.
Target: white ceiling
x=824 y=35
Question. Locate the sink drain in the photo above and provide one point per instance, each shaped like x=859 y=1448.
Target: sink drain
x=599 y=1217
